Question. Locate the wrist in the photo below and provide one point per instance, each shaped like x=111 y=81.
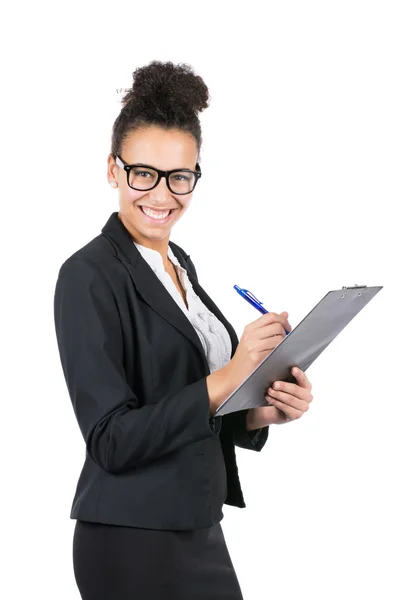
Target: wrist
x=256 y=419
x=219 y=387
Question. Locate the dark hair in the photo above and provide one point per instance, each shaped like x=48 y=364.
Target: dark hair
x=162 y=94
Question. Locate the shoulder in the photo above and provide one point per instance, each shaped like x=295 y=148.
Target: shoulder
x=96 y=255
x=94 y=266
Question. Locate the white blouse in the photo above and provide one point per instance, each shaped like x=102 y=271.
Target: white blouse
x=212 y=333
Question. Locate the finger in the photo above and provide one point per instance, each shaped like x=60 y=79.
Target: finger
x=301 y=378
x=264 y=345
x=270 y=318
x=286 y=324
x=289 y=399
x=290 y=412
x=270 y=331
x=293 y=389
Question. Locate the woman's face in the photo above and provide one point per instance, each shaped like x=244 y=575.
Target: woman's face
x=165 y=150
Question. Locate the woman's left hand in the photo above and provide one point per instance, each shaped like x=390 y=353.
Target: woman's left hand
x=289 y=402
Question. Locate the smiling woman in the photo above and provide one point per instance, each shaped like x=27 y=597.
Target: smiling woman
x=146 y=356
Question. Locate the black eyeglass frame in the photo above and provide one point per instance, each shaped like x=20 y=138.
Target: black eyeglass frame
x=197 y=174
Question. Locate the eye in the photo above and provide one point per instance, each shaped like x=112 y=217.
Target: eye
x=142 y=173
x=180 y=177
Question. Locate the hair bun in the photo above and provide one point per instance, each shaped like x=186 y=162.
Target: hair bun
x=164 y=87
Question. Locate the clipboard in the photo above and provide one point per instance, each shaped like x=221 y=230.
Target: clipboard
x=301 y=346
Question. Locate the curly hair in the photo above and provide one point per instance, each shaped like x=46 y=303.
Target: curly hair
x=163 y=94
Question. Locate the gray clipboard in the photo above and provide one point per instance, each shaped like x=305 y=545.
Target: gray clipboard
x=301 y=346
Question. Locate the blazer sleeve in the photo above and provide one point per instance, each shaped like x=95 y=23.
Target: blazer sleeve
x=249 y=440
x=119 y=434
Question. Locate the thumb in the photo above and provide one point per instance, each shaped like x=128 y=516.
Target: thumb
x=286 y=314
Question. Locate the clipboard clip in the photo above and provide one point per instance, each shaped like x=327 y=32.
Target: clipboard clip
x=355 y=287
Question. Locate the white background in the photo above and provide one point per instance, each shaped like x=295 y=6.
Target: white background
x=306 y=94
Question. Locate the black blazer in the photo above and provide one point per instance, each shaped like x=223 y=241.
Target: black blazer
x=136 y=374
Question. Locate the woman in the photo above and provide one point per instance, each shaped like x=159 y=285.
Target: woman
x=147 y=358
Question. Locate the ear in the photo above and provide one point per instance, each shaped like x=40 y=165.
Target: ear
x=112 y=168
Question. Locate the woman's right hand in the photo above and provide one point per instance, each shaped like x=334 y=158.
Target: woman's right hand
x=258 y=340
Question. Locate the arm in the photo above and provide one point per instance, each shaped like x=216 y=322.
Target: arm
x=119 y=435
x=247 y=435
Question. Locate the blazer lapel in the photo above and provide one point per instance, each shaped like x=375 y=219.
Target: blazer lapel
x=147 y=283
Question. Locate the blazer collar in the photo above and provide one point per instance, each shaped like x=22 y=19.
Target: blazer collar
x=153 y=291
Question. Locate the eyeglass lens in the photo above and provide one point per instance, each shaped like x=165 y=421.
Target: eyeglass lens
x=181 y=182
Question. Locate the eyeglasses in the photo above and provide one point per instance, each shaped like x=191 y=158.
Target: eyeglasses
x=144 y=177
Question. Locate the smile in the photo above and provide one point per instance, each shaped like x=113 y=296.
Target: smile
x=158 y=216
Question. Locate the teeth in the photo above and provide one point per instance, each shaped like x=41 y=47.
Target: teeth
x=155 y=215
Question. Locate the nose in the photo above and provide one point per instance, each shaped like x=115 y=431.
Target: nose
x=161 y=192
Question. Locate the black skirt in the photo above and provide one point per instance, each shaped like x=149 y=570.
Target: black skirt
x=114 y=562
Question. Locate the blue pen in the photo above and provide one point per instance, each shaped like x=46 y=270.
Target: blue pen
x=253 y=301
